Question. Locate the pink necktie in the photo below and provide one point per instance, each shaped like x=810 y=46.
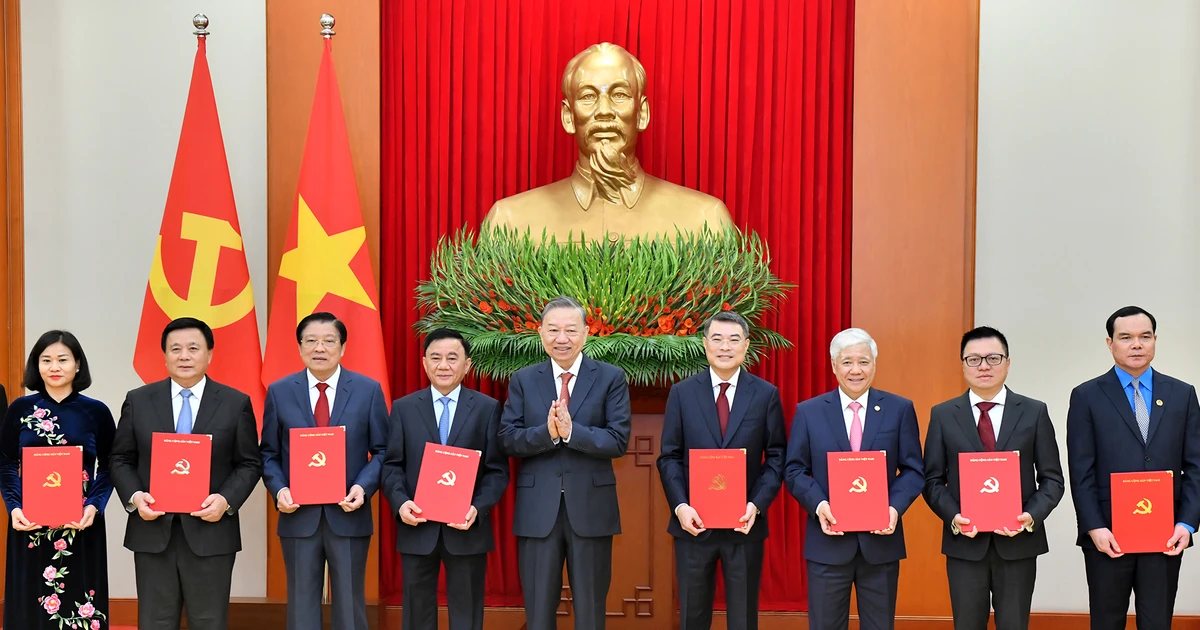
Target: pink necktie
x=855 y=427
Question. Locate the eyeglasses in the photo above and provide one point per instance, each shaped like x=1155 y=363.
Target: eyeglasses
x=719 y=341
x=310 y=343
x=974 y=360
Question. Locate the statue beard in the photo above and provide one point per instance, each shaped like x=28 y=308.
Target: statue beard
x=611 y=171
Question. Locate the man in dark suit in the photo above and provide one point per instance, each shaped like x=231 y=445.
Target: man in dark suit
x=324 y=395
x=987 y=569
x=567 y=418
x=1131 y=419
x=853 y=417
x=747 y=415
x=186 y=559
x=450 y=414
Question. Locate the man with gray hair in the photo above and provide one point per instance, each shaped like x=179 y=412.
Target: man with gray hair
x=567 y=419
x=722 y=407
x=853 y=417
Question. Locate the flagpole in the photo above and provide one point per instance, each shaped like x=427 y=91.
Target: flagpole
x=200 y=21
x=327 y=32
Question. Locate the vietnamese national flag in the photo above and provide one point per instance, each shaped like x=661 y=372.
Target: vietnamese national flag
x=326 y=265
x=199 y=267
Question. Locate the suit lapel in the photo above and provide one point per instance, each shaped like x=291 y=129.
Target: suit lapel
x=208 y=407
x=743 y=399
x=425 y=413
x=462 y=414
x=837 y=421
x=163 y=411
x=872 y=418
x=964 y=417
x=546 y=384
x=1014 y=411
x=345 y=390
x=1116 y=395
x=702 y=395
x=583 y=384
x=1162 y=391
x=300 y=389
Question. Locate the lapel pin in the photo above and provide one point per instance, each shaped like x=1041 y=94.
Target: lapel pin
x=877 y=407
x=1158 y=402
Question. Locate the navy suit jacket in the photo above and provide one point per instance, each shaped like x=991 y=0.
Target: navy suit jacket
x=359 y=407
x=1103 y=438
x=755 y=424
x=819 y=428
x=579 y=471
x=475 y=426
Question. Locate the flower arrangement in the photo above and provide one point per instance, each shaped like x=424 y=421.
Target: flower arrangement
x=646 y=301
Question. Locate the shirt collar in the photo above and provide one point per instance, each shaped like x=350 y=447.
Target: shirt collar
x=862 y=400
x=197 y=389
x=585 y=188
x=1145 y=380
x=716 y=380
x=332 y=381
x=558 y=371
x=998 y=399
x=453 y=395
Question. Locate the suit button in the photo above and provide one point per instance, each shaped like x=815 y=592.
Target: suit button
x=1147 y=458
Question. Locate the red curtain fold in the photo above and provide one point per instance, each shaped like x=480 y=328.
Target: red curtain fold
x=750 y=101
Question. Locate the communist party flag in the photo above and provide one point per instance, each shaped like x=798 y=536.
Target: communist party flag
x=199 y=267
x=326 y=265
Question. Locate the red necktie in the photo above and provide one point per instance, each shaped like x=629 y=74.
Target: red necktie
x=987 y=434
x=565 y=395
x=723 y=408
x=321 y=413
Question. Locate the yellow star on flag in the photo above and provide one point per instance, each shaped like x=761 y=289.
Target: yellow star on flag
x=320 y=264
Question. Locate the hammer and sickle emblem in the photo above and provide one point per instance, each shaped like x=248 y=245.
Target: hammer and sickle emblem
x=447 y=478
x=1144 y=507
x=318 y=460
x=859 y=485
x=211 y=235
x=182 y=467
x=53 y=480
x=718 y=483
x=990 y=486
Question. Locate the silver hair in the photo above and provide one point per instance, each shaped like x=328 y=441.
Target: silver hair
x=563 y=301
x=851 y=337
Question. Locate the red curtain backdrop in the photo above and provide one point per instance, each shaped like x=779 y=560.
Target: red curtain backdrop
x=750 y=101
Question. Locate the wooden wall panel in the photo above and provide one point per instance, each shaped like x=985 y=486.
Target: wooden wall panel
x=293 y=55
x=915 y=101
x=12 y=225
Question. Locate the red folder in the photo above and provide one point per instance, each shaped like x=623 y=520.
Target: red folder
x=858 y=491
x=317 y=465
x=180 y=465
x=446 y=483
x=717 y=486
x=1143 y=510
x=52 y=484
x=989 y=490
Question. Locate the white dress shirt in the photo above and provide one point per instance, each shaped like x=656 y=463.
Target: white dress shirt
x=996 y=413
x=194 y=401
x=716 y=385
x=558 y=372
x=330 y=393
x=848 y=415
x=437 y=404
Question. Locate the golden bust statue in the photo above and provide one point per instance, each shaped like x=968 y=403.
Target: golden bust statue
x=605 y=108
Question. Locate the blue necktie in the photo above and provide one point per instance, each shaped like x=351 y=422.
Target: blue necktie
x=1140 y=413
x=444 y=421
x=185 y=413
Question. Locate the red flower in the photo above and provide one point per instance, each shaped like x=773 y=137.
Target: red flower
x=485 y=307
x=504 y=306
x=60 y=544
x=51 y=604
x=726 y=307
x=530 y=325
x=666 y=323
x=508 y=281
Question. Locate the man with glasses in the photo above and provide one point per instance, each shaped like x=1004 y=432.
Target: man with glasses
x=722 y=407
x=567 y=419
x=325 y=395
x=1132 y=418
x=991 y=569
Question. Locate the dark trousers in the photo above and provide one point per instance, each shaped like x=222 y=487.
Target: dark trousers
x=1152 y=577
x=305 y=560
x=829 y=594
x=589 y=569
x=976 y=586
x=464 y=589
x=177 y=577
x=696 y=571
